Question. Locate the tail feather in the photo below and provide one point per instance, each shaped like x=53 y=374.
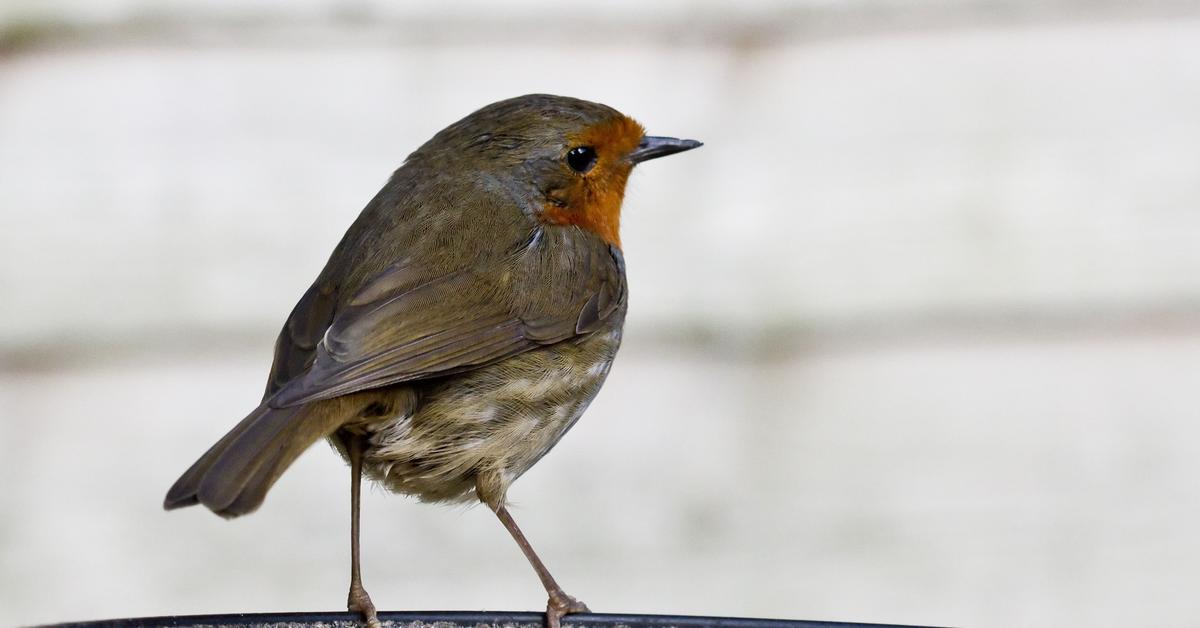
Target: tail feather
x=183 y=492
x=232 y=478
x=230 y=472
x=254 y=491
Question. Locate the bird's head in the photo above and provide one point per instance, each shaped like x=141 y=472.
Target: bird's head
x=572 y=156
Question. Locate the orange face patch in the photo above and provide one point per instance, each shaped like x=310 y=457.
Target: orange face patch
x=594 y=201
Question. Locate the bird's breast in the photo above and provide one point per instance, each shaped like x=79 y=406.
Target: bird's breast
x=493 y=422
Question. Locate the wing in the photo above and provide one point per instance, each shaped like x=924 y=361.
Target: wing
x=296 y=346
x=404 y=326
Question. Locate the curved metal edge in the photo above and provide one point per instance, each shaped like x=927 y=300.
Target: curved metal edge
x=469 y=619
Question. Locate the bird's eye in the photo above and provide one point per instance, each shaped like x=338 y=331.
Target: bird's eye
x=581 y=159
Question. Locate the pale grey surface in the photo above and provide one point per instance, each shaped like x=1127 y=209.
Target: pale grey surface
x=914 y=338
x=949 y=482
x=889 y=180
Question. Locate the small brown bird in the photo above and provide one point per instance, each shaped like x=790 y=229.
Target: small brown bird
x=461 y=326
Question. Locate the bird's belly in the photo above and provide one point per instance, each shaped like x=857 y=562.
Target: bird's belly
x=489 y=425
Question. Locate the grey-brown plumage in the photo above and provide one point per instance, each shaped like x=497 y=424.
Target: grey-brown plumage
x=463 y=324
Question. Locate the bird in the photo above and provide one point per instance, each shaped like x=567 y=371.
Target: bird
x=461 y=326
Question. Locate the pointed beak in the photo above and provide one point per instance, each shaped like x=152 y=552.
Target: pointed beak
x=653 y=147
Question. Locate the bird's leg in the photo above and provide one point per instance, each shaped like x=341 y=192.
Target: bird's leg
x=560 y=603
x=358 y=601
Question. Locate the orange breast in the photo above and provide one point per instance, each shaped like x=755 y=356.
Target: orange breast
x=594 y=203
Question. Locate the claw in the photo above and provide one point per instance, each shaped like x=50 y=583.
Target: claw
x=359 y=602
x=559 y=606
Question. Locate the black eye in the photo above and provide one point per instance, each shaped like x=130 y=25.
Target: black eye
x=581 y=159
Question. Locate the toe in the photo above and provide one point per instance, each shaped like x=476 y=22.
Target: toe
x=559 y=606
x=359 y=602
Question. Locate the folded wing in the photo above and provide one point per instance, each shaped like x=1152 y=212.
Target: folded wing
x=408 y=324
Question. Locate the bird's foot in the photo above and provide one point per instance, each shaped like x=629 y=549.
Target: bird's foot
x=561 y=604
x=360 y=602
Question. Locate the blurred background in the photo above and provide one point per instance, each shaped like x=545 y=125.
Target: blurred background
x=914 y=338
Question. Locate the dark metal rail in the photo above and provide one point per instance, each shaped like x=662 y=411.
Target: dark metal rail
x=460 y=619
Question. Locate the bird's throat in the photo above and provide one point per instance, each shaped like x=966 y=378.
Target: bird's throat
x=593 y=202
x=596 y=208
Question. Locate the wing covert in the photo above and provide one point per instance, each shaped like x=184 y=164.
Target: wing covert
x=403 y=326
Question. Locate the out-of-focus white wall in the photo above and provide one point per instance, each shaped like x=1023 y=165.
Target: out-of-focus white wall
x=914 y=338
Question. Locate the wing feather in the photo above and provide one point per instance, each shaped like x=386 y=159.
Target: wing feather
x=405 y=325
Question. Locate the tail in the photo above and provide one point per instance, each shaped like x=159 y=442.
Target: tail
x=232 y=478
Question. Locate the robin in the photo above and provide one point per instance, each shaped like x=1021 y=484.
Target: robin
x=460 y=328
